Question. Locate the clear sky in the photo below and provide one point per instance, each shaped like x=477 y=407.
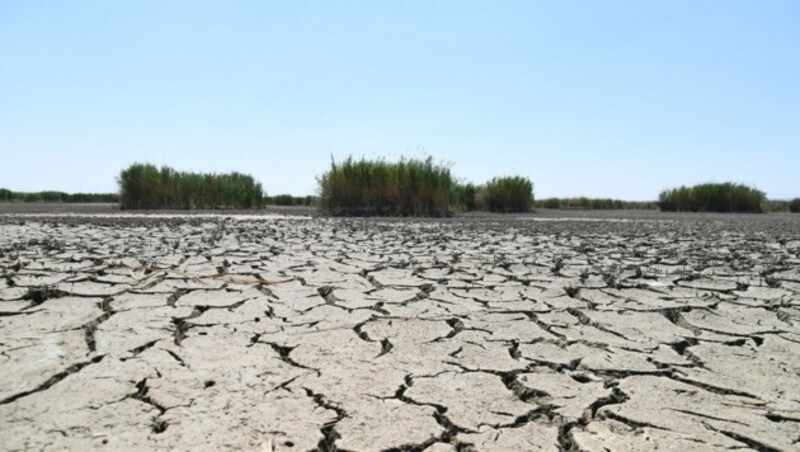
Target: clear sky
x=600 y=98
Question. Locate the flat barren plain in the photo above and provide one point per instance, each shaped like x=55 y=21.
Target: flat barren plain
x=611 y=331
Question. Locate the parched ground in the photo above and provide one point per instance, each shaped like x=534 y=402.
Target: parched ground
x=522 y=333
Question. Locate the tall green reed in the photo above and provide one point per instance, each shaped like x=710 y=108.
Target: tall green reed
x=144 y=186
x=409 y=187
x=506 y=194
x=713 y=197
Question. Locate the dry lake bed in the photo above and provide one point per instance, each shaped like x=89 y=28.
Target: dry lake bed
x=618 y=331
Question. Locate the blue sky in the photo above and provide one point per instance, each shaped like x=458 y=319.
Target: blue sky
x=603 y=98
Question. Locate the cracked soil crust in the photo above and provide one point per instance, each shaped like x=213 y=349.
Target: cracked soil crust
x=294 y=334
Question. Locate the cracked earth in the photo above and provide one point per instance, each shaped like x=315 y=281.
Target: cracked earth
x=374 y=335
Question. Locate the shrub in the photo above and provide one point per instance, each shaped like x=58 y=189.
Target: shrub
x=507 y=194
x=712 y=197
x=410 y=187
x=794 y=205
x=143 y=186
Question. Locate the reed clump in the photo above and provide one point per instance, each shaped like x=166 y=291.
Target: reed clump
x=409 y=187
x=506 y=194
x=144 y=186
x=463 y=196
x=713 y=197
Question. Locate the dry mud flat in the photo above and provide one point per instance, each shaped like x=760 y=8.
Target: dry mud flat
x=303 y=334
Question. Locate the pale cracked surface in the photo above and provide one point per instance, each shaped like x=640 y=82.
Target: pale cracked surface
x=671 y=333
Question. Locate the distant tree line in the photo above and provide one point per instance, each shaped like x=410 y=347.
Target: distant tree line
x=144 y=186
x=594 y=204
x=408 y=187
x=289 y=200
x=56 y=196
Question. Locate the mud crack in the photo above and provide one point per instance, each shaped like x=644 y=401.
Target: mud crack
x=54 y=379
